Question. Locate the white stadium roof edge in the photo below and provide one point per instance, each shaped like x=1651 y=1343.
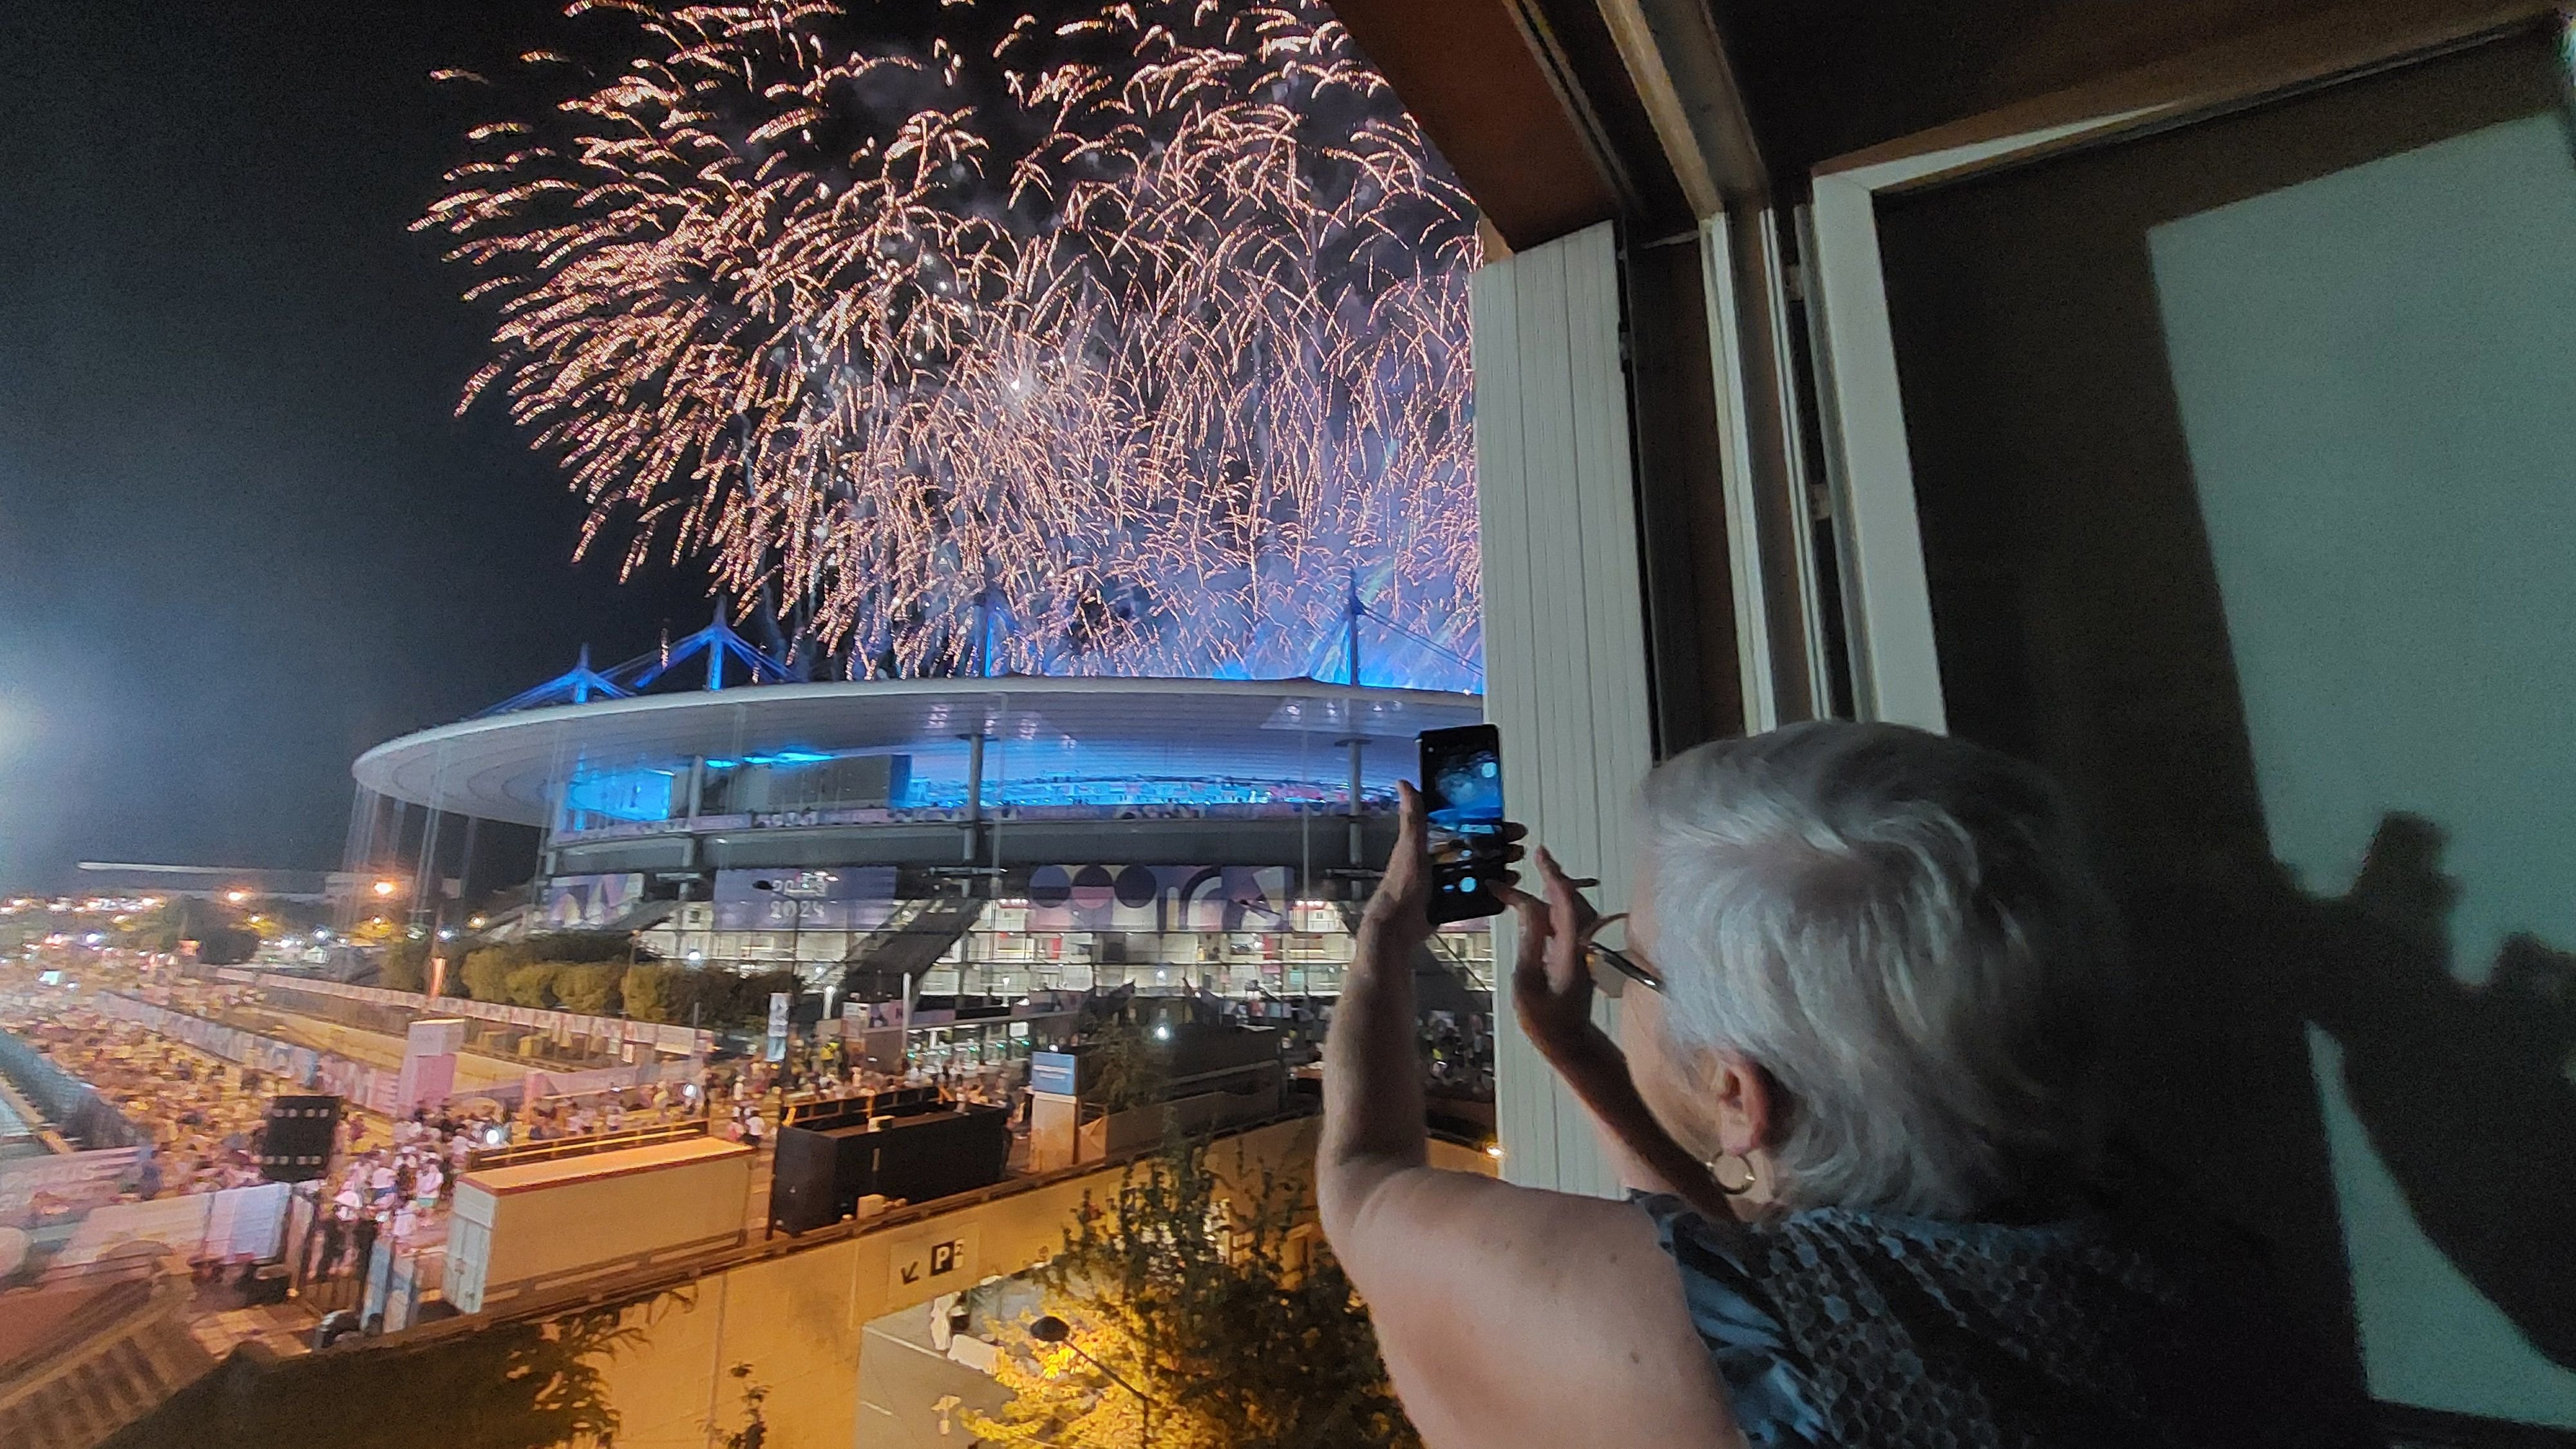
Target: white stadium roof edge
x=506 y=767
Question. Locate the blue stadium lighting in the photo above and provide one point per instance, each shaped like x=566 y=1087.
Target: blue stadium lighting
x=642 y=795
x=783 y=757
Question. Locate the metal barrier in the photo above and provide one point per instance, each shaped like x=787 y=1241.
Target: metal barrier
x=563 y=1147
x=321 y=1265
x=823 y=1112
x=682 y=1040
x=70 y=1105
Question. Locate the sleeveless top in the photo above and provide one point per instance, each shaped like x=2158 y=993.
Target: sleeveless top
x=1863 y=1330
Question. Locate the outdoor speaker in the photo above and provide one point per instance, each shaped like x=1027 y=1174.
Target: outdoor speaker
x=296 y=1147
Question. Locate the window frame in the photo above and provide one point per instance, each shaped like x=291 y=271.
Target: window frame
x=1867 y=468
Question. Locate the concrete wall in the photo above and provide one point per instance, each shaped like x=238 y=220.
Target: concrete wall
x=662 y=1360
x=798 y=1319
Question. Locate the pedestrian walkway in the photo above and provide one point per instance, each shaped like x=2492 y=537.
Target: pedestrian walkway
x=284 y=1329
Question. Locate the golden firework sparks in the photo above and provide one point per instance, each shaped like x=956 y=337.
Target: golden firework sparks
x=1130 y=343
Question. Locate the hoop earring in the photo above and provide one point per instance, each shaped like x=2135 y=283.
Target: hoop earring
x=1717 y=1174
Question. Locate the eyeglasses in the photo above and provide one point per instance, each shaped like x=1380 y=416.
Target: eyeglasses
x=1620 y=961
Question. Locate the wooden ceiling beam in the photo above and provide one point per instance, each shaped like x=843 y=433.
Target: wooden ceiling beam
x=1531 y=104
x=1465 y=70
x=1687 y=85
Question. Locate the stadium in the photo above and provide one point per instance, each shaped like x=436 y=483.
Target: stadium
x=977 y=838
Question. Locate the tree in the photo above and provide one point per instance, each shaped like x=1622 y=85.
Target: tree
x=161 y=929
x=576 y=947
x=754 y=1433
x=590 y=990
x=405 y=967
x=748 y=997
x=652 y=990
x=1120 y=1067
x=227 y=945
x=487 y=973
x=532 y=985
x=1203 y=1299
x=514 y=1385
x=487 y=970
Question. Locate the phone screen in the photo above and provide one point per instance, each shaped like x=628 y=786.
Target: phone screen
x=1462 y=799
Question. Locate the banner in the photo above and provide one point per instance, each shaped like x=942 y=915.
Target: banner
x=846 y=898
x=175 y=1223
x=236 y=1223
x=1160 y=898
x=541 y=1085
x=589 y=902
x=679 y=1038
x=78 y=1182
x=248 y=1222
x=232 y=1044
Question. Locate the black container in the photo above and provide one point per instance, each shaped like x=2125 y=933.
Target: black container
x=296 y=1146
x=821 y=1173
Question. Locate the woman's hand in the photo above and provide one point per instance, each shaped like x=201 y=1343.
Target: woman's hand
x=1400 y=906
x=1552 y=979
x=1552 y=995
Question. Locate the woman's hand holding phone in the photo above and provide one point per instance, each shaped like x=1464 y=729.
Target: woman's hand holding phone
x=1401 y=903
x=1551 y=980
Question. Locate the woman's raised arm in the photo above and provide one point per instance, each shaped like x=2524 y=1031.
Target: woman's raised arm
x=1508 y=1315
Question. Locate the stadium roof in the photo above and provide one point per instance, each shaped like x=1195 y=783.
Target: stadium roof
x=508 y=767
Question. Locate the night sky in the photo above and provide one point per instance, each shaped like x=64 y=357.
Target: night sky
x=242 y=537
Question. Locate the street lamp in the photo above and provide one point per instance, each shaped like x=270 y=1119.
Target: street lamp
x=1051 y=1329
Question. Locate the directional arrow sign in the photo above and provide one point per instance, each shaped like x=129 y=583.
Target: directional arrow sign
x=932 y=1261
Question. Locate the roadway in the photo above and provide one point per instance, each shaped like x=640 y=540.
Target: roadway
x=910 y=1394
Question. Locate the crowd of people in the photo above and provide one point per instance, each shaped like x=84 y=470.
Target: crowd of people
x=398 y=1189
x=1458 y=1053
x=199 y=1115
x=754 y=1096
x=394 y=1181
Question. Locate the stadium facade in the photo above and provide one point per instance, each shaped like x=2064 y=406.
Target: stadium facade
x=977 y=837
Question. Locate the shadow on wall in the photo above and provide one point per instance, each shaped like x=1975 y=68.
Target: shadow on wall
x=2463 y=1089
x=2074 y=572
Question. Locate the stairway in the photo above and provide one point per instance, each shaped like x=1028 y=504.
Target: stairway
x=101 y=1355
x=910 y=943
x=1441 y=981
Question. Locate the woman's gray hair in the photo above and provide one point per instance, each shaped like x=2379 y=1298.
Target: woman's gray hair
x=1902 y=930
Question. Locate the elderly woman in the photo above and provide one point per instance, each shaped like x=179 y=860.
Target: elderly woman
x=1859 y=1114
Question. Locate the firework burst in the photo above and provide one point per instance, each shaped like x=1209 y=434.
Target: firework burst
x=1126 y=340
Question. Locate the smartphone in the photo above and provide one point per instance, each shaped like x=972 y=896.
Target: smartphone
x=1462 y=800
